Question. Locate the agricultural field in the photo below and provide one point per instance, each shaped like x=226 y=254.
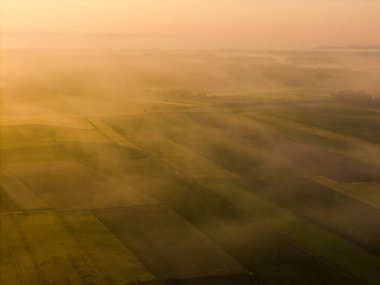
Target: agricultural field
x=162 y=171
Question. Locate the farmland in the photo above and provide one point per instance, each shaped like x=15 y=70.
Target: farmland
x=244 y=172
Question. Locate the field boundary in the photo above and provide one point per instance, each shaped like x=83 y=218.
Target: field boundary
x=324 y=245
x=347 y=188
x=315 y=131
x=22 y=196
x=113 y=135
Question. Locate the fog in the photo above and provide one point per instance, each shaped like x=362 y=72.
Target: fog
x=192 y=24
x=84 y=82
x=189 y=149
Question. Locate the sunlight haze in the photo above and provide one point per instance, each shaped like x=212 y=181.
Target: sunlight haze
x=189 y=24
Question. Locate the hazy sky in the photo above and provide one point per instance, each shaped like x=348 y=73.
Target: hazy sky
x=189 y=23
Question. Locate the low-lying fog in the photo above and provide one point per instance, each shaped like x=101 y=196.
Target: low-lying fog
x=44 y=82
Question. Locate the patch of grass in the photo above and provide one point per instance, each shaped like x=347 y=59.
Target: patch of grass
x=169 y=245
x=116 y=262
x=6 y=203
x=70 y=185
x=367 y=192
x=357 y=123
x=339 y=213
x=48 y=256
x=325 y=245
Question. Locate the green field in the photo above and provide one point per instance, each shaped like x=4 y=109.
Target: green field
x=161 y=238
x=357 y=123
x=239 y=170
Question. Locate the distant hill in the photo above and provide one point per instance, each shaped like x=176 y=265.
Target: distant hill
x=350 y=47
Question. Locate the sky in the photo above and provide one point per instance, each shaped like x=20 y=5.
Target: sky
x=189 y=23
